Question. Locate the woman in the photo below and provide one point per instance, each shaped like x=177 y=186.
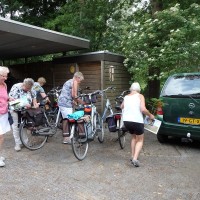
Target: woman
x=27 y=97
x=4 y=123
x=40 y=93
x=133 y=109
x=66 y=99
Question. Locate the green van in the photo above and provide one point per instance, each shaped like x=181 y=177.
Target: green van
x=180 y=107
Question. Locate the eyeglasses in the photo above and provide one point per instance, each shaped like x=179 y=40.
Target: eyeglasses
x=3 y=76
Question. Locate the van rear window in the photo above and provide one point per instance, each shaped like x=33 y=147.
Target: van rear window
x=182 y=85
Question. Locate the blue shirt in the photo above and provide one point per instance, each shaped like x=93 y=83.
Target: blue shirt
x=65 y=98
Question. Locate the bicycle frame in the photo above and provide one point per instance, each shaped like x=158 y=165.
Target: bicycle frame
x=108 y=106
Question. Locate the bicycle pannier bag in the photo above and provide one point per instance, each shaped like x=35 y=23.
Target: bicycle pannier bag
x=111 y=123
x=35 y=117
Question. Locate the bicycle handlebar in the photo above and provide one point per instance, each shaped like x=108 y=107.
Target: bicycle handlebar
x=100 y=92
x=121 y=96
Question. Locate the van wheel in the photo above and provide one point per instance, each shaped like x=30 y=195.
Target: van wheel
x=162 y=138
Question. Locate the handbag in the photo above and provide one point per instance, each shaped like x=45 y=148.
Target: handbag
x=10 y=118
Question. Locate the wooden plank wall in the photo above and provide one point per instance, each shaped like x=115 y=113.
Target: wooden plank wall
x=57 y=74
x=34 y=71
x=121 y=80
x=90 y=70
x=61 y=73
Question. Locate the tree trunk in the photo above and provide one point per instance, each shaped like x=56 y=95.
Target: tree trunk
x=154 y=85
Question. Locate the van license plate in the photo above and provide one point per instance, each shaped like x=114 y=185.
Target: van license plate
x=189 y=121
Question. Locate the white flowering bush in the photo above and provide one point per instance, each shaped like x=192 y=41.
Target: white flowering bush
x=169 y=41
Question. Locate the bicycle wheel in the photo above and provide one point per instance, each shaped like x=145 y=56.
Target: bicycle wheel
x=121 y=138
x=79 y=148
x=30 y=139
x=59 y=125
x=99 y=128
x=52 y=117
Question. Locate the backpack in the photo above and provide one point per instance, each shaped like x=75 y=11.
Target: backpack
x=112 y=126
x=35 y=117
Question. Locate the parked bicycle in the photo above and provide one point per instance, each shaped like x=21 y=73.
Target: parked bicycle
x=35 y=134
x=93 y=126
x=114 y=119
x=119 y=119
x=52 y=109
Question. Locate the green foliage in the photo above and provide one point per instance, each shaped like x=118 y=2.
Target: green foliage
x=168 y=40
x=153 y=103
x=88 y=19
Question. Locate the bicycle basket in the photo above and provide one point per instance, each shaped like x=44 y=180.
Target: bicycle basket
x=93 y=99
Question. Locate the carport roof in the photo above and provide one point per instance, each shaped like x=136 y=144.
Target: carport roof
x=20 y=40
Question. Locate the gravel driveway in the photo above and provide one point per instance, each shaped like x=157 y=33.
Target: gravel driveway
x=168 y=171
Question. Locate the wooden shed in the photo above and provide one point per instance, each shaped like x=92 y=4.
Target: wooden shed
x=101 y=69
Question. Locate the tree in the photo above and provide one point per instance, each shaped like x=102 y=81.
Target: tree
x=166 y=42
x=88 y=19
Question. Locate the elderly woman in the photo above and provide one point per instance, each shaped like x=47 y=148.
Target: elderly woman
x=27 y=97
x=66 y=99
x=40 y=93
x=133 y=109
x=4 y=123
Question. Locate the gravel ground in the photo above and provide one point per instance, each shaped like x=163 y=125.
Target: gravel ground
x=168 y=171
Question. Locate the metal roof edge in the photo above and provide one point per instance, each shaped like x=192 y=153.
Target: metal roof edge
x=91 y=56
x=17 y=23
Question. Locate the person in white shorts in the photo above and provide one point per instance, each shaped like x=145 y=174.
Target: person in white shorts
x=4 y=123
x=66 y=101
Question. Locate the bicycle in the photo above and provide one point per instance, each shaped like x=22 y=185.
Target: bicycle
x=119 y=119
x=34 y=137
x=114 y=119
x=93 y=126
x=52 y=108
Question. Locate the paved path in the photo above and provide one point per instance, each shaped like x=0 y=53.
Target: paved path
x=170 y=171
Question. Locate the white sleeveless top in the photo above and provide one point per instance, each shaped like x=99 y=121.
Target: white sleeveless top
x=131 y=111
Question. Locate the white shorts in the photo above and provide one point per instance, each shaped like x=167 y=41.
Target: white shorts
x=4 y=124
x=65 y=111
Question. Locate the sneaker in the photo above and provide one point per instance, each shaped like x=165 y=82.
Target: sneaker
x=2 y=164
x=136 y=163
x=18 y=147
x=2 y=158
x=66 y=141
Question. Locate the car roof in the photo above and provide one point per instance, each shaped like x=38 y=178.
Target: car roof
x=186 y=74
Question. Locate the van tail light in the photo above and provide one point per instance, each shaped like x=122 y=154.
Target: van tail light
x=159 y=111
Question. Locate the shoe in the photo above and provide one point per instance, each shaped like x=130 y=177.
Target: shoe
x=18 y=147
x=67 y=141
x=136 y=163
x=2 y=164
x=82 y=135
x=2 y=158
